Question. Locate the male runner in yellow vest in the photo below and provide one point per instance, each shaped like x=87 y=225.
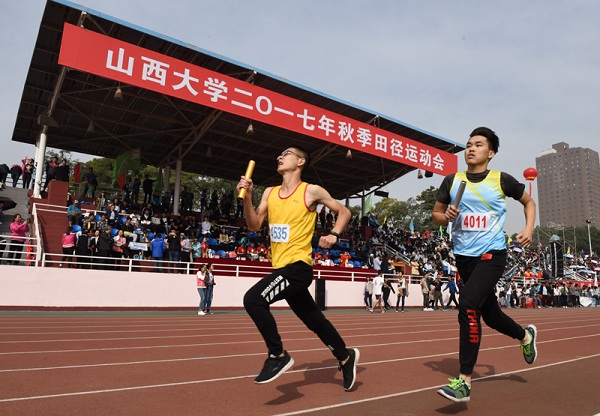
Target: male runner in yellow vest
x=290 y=209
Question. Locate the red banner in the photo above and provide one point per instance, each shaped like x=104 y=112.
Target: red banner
x=108 y=57
x=77 y=173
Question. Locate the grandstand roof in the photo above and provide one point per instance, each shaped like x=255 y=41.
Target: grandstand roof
x=210 y=142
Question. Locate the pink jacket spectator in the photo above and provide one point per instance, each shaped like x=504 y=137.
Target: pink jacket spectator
x=69 y=240
x=17 y=230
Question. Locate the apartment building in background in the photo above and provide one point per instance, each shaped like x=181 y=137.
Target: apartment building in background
x=568 y=186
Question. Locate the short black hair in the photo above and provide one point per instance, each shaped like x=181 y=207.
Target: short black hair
x=488 y=134
x=304 y=153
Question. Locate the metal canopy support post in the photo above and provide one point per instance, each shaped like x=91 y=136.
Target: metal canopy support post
x=167 y=181
x=39 y=161
x=41 y=148
x=176 y=193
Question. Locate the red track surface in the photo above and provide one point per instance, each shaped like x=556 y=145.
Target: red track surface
x=178 y=364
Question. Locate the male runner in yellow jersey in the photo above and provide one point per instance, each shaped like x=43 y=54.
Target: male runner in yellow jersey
x=290 y=209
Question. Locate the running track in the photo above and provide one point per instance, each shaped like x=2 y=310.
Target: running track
x=182 y=364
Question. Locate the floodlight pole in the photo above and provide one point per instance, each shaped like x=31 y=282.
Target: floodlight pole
x=589 y=236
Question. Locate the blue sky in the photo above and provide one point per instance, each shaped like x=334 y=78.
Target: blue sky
x=527 y=69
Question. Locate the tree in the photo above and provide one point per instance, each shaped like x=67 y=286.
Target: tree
x=421 y=207
x=390 y=209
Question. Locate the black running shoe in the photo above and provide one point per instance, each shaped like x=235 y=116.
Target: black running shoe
x=274 y=367
x=349 y=369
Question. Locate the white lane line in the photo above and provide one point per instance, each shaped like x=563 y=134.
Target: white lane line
x=311 y=338
x=202 y=358
x=346 y=336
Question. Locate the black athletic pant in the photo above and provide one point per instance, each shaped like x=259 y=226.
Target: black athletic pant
x=478 y=300
x=290 y=283
x=452 y=299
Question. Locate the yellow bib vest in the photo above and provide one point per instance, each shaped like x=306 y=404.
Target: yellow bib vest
x=291 y=227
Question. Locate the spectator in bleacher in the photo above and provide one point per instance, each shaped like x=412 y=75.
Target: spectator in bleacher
x=158 y=246
x=104 y=247
x=322 y=215
x=15 y=173
x=125 y=207
x=50 y=171
x=205 y=247
x=112 y=216
x=174 y=246
x=377 y=263
x=18 y=230
x=127 y=188
x=74 y=213
x=127 y=228
x=94 y=245
x=329 y=220
x=186 y=248
x=205 y=227
x=28 y=168
x=102 y=224
x=147 y=185
x=196 y=250
x=135 y=191
x=156 y=199
x=101 y=202
x=146 y=220
x=223 y=239
x=252 y=252
x=241 y=252
x=82 y=248
x=120 y=245
x=263 y=252
x=91 y=184
x=187 y=199
x=69 y=238
x=62 y=172
x=4 y=170
x=345 y=259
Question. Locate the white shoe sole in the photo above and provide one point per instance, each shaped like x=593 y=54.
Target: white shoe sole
x=283 y=370
x=356 y=357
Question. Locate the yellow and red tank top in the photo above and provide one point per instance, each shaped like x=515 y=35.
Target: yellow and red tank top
x=291 y=227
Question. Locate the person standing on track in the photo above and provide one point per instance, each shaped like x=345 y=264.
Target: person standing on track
x=291 y=212
x=480 y=250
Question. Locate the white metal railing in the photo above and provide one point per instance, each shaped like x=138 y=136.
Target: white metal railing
x=31 y=256
x=125 y=264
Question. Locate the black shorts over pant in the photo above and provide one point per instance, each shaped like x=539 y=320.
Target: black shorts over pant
x=290 y=283
x=478 y=300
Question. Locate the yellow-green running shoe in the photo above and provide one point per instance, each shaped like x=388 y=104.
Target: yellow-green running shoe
x=458 y=390
x=529 y=349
